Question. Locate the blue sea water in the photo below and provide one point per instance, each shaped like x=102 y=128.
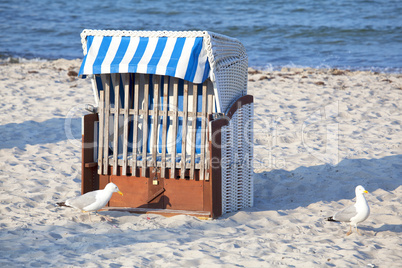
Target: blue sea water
x=353 y=34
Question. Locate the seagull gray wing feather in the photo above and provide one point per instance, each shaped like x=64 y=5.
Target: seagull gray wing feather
x=80 y=202
x=346 y=214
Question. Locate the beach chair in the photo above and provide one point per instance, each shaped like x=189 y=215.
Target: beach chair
x=172 y=121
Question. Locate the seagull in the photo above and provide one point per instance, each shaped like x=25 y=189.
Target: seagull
x=92 y=201
x=354 y=214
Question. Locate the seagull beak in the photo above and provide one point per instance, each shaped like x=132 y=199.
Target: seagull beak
x=366 y=192
x=120 y=193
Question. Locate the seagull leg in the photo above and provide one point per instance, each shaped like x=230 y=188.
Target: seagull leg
x=350 y=231
x=89 y=215
x=106 y=217
x=96 y=213
x=357 y=230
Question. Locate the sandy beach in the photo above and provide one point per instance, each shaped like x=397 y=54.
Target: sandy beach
x=317 y=135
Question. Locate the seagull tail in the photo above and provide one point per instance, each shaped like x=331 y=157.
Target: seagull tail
x=62 y=204
x=330 y=218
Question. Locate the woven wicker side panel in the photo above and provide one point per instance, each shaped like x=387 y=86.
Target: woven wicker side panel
x=237 y=156
x=229 y=63
x=246 y=128
x=227 y=182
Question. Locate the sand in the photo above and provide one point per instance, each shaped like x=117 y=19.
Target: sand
x=317 y=134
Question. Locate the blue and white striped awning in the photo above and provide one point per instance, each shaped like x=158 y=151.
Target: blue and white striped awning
x=181 y=57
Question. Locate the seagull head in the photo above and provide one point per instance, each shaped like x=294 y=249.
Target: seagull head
x=111 y=187
x=360 y=190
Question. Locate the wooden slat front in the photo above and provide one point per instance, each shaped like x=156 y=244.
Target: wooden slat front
x=193 y=129
x=210 y=111
x=116 y=86
x=106 y=88
x=203 y=130
x=184 y=131
x=145 y=125
x=164 y=123
x=126 y=85
x=175 y=85
x=137 y=86
x=155 y=117
x=101 y=130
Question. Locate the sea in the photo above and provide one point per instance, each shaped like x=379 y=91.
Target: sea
x=344 y=34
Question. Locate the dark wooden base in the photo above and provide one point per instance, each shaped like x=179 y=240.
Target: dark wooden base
x=159 y=193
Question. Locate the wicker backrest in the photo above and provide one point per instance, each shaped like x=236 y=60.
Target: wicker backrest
x=229 y=64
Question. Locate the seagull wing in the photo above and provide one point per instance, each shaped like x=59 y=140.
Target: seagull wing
x=346 y=214
x=80 y=202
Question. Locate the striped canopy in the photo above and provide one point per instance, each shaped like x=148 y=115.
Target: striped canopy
x=181 y=57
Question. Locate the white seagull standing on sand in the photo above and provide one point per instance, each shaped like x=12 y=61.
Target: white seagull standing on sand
x=92 y=201
x=354 y=214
